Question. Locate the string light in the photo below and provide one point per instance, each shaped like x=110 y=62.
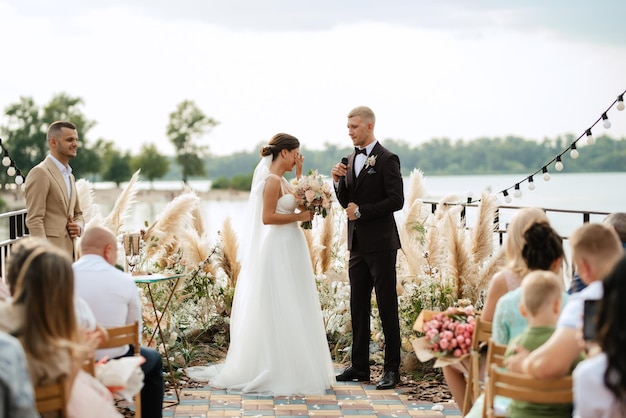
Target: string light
x=469 y=196
x=574 y=154
x=559 y=164
x=507 y=198
x=6 y=160
x=19 y=178
x=517 y=193
x=11 y=170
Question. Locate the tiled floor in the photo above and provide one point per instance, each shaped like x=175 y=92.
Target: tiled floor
x=349 y=398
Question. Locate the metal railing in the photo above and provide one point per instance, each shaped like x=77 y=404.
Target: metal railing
x=15 y=223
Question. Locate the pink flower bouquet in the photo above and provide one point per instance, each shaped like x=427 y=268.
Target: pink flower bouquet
x=447 y=335
x=314 y=193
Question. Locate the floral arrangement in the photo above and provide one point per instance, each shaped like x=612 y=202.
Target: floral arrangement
x=314 y=193
x=450 y=332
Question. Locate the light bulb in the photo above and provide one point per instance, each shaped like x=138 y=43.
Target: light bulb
x=11 y=171
x=559 y=164
x=590 y=139
x=19 y=180
x=574 y=152
x=507 y=198
x=546 y=175
x=470 y=194
x=531 y=183
x=620 y=102
x=6 y=161
x=517 y=193
x=605 y=121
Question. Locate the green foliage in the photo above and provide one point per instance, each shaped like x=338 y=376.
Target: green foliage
x=117 y=166
x=25 y=132
x=237 y=182
x=186 y=126
x=153 y=164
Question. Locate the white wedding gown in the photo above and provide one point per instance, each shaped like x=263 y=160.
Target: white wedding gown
x=278 y=343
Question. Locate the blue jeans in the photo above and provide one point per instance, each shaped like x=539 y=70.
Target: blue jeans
x=153 y=386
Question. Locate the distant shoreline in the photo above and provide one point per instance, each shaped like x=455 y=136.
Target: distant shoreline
x=15 y=199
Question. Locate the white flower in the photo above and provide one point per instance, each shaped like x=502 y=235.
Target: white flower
x=371 y=161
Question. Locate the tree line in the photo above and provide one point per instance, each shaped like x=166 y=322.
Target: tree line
x=101 y=160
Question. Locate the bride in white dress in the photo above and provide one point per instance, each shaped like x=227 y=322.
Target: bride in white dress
x=278 y=343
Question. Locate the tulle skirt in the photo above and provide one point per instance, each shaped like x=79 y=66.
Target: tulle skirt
x=278 y=343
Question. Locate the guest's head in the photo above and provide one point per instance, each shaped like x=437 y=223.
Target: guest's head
x=541 y=296
x=19 y=251
x=278 y=143
x=543 y=248
x=515 y=238
x=618 y=221
x=596 y=248
x=45 y=289
x=611 y=335
x=62 y=139
x=97 y=240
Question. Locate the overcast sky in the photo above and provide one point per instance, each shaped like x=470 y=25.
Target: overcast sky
x=450 y=68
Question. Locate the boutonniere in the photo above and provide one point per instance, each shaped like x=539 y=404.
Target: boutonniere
x=370 y=163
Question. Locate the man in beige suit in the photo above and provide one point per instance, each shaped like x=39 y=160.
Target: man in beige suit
x=53 y=210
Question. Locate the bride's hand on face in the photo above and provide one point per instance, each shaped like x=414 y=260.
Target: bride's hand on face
x=299 y=162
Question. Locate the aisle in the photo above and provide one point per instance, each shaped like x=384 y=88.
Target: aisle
x=349 y=398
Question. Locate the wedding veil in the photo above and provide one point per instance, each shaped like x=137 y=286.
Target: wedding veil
x=255 y=229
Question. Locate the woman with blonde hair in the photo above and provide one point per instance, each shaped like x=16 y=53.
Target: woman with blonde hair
x=507 y=279
x=42 y=316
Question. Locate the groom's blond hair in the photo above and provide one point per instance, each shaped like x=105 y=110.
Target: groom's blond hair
x=364 y=113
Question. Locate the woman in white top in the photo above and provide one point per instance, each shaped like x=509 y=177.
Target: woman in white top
x=600 y=381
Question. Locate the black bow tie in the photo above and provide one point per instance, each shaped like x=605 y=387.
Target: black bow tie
x=358 y=151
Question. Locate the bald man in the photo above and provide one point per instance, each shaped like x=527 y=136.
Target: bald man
x=114 y=300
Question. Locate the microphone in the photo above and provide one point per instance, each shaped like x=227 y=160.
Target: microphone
x=342 y=180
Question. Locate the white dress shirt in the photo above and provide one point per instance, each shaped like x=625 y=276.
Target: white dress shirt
x=111 y=294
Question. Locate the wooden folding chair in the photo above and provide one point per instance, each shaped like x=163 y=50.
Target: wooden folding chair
x=53 y=397
x=127 y=334
x=481 y=336
x=525 y=388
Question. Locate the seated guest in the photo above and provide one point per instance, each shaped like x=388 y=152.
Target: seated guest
x=42 y=316
x=596 y=249
x=600 y=381
x=618 y=221
x=540 y=305
x=543 y=250
x=114 y=300
x=19 y=252
x=16 y=391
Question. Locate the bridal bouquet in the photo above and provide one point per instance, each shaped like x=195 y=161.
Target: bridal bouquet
x=447 y=334
x=314 y=193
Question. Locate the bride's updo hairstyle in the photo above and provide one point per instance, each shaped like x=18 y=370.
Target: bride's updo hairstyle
x=543 y=246
x=278 y=143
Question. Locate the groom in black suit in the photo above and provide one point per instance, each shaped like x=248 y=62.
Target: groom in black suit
x=370 y=188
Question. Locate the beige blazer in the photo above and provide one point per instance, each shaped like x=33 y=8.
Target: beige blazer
x=48 y=206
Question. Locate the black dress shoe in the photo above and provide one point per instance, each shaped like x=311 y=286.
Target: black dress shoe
x=389 y=380
x=351 y=374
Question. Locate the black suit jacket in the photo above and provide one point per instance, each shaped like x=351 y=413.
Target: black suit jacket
x=378 y=191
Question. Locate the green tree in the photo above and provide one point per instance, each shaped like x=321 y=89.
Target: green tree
x=153 y=165
x=24 y=135
x=116 y=165
x=187 y=125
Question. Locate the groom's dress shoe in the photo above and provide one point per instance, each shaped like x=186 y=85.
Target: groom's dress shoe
x=389 y=380
x=352 y=374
